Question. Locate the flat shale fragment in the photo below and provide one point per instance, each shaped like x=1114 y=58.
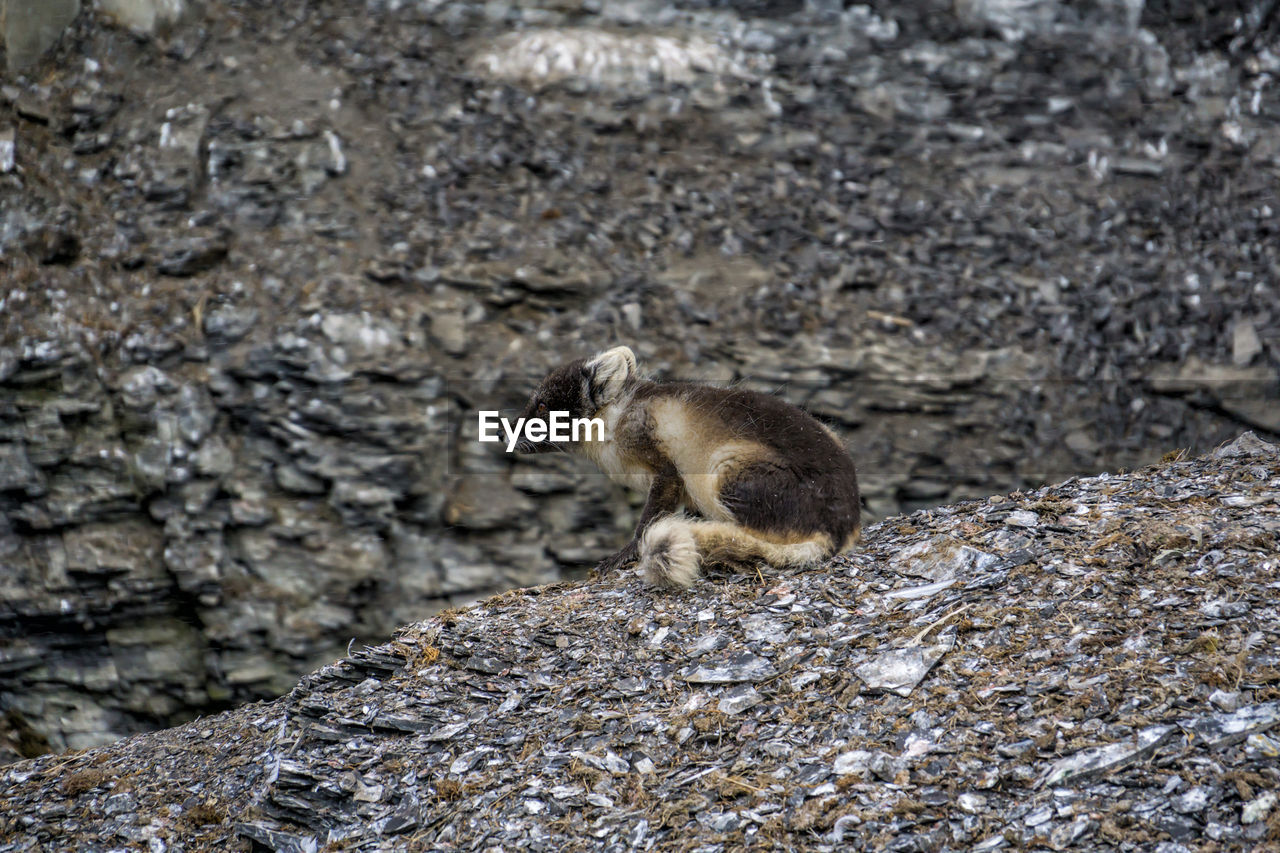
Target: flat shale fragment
x=900 y=670
x=1105 y=759
x=942 y=558
x=1218 y=730
x=736 y=668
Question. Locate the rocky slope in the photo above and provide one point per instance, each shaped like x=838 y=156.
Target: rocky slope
x=1091 y=665
x=261 y=269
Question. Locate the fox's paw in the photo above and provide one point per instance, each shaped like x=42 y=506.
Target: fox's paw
x=618 y=561
x=669 y=553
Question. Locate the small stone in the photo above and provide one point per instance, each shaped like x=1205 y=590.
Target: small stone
x=942 y=558
x=848 y=763
x=1041 y=815
x=291 y=479
x=635 y=838
x=213 y=458
x=201 y=249
x=123 y=803
x=739 y=699
x=616 y=764
x=17 y=473
x=1138 y=166
x=900 y=670
x=885 y=767
x=1245 y=343
x=1016 y=748
x=1068 y=835
x=449 y=328
x=761 y=627
x=7 y=149
x=925 y=591
x=1247 y=444
x=467 y=761
x=603 y=59
x=366 y=793
x=1022 y=518
x=708 y=643
x=1223 y=729
x=337 y=164
x=1104 y=759
x=1263 y=743
x=402 y=820
x=229 y=322
x=804 y=679
x=1258 y=808
x=1225 y=700
x=195 y=413
x=1192 y=802
x=740 y=667
x=143 y=16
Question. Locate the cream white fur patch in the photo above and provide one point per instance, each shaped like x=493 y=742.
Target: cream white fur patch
x=609 y=455
x=700 y=452
x=669 y=554
x=610 y=371
x=673 y=548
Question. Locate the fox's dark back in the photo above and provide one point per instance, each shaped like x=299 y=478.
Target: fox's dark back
x=775 y=423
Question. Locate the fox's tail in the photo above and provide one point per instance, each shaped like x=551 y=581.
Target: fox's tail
x=673 y=548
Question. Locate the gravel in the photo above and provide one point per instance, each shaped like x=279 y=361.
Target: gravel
x=1070 y=703
x=261 y=267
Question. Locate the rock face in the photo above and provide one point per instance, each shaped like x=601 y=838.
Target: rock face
x=1087 y=666
x=262 y=268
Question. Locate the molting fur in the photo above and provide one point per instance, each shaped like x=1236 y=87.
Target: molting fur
x=765 y=480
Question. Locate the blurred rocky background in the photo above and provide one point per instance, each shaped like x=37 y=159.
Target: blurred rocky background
x=262 y=263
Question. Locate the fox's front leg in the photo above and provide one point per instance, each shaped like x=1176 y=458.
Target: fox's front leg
x=665 y=495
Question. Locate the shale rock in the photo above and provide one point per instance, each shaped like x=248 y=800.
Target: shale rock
x=1072 y=698
x=263 y=263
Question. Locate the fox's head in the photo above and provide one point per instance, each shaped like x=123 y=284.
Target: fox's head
x=582 y=388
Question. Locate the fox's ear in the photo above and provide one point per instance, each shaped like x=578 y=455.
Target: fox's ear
x=607 y=373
